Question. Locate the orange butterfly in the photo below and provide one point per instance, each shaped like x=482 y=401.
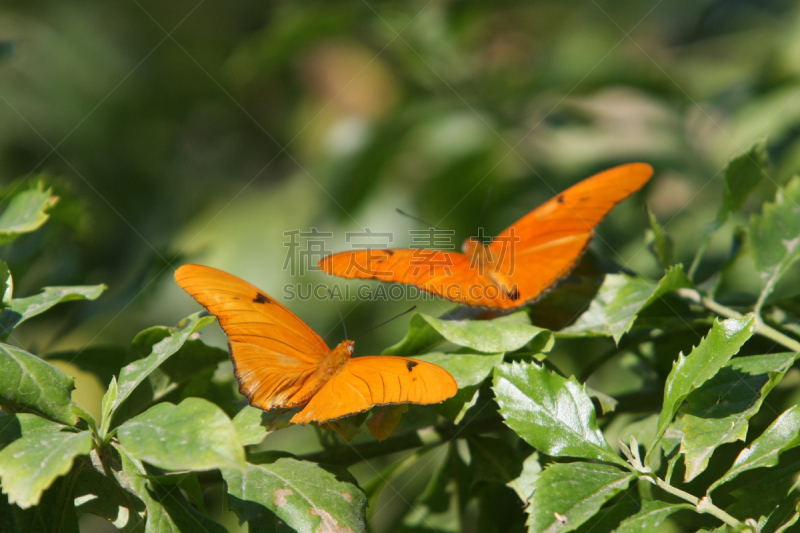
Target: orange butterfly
x=280 y=361
x=520 y=264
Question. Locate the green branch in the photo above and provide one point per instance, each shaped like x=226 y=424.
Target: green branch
x=761 y=328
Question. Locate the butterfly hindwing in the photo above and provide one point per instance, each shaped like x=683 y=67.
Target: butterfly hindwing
x=378 y=380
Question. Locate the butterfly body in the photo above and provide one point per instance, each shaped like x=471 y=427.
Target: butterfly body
x=520 y=264
x=280 y=362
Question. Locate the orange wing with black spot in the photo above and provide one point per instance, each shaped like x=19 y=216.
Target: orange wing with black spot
x=378 y=380
x=280 y=361
x=521 y=263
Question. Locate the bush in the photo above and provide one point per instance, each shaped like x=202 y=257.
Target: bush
x=524 y=442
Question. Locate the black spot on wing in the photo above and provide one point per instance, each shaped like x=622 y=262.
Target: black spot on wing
x=262 y=299
x=513 y=294
x=560 y=198
x=410 y=365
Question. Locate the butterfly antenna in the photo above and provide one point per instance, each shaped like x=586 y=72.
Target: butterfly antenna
x=341 y=318
x=412 y=217
x=489 y=196
x=384 y=323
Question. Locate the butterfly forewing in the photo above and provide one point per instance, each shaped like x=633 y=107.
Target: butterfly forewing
x=275 y=354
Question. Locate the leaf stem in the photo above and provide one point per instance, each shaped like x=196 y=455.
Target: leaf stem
x=702 y=505
x=761 y=328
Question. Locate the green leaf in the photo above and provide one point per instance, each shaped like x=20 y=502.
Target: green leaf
x=109 y=398
x=718 y=412
x=30 y=464
x=775 y=236
x=629 y=516
x=54 y=514
x=766 y=495
x=194 y=435
x=26 y=212
x=6 y=284
x=188 y=372
x=569 y=494
x=188 y=482
x=99 y=491
x=552 y=414
x=689 y=373
x=250 y=426
x=28 y=383
x=21 y=309
x=505 y=334
x=167 y=510
x=650 y=516
x=742 y=174
x=781 y=435
x=661 y=242
x=620 y=299
x=301 y=494
x=469 y=371
x=154 y=355
x=13 y=427
x=493 y=460
x=525 y=483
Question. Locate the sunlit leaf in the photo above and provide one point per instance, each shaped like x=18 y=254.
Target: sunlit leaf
x=775 y=235
x=26 y=212
x=781 y=435
x=30 y=464
x=742 y=174
x=21 y=309
x=718 y=412
x=250 y=426
x=620 y=298
x=300 y=493
x=568 y=494
x=28 y=383
x=525 y=483
x=553 y=414
x=469 y=371
x=151 y=356
x=167 y=511
x=505 y=334
x=690 y=372
x=194 y=435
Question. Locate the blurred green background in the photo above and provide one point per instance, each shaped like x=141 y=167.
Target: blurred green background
x=202 y=131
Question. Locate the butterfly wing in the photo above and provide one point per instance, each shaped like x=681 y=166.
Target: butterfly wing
x=529 y=257
x=551 y=238
x=275 y=354
x=377 y=380
x=440 y=272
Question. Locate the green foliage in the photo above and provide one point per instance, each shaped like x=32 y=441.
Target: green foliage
x=633 y=396
x=28 y=383
x=568 y=494
x=619 y=300
x=303 y=495
x=25 y=213
x=690 y=372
